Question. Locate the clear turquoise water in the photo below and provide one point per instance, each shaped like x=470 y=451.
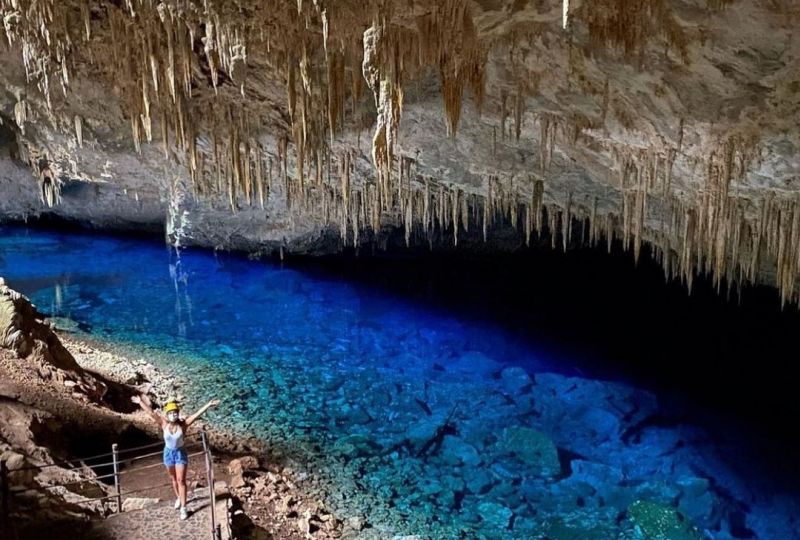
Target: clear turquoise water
x=349 y=385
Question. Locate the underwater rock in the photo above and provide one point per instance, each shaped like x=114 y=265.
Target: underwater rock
x=495 y=516
x=423 y=432
x=356 y=523
x=64 y=324
x=429 y=486
x=696 y=499
x=356 y=445
x=456 y=451
x=478 y=481
x=653 y=521
x=474 y=363
x=579 y=526
x=773 y=516
x=353 y=415
x=656 y=491
x=597 y=475
x=515 y=380
x=534 y=448
x=597 y=482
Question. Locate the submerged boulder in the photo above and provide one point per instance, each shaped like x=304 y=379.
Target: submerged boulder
x=698 y=502
x=580 y=526
x=456 y=451
x=356 y=445
x=495 y=516
x=515 y=380
x=652 y=521
x=532 y=447
x=473 y=362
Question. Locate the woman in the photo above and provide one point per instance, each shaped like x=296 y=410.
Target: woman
x=174 y=430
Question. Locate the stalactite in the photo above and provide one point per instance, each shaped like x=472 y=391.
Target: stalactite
x=79 y=130
x=566 y=223
x=487 y=204
x=21 y=115
x=631 y=26
x=593 y=224
x=165 y=58
x=547 y=134
x=553 y=214
x=518 y=109
x=455 y=212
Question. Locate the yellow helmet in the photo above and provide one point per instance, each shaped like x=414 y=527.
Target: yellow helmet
x=171 y=406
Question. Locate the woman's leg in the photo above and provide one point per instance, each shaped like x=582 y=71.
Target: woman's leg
x=173 y=476
x=180 y=473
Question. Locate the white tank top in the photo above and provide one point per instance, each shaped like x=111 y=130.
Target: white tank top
x=173 y=441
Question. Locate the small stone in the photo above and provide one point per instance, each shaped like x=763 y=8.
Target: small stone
x=356 y=523
x=138 y=503
x=239 y=465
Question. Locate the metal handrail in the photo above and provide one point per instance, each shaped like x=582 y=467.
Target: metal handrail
x=6 y=492
x=212 y=492
x=89 y=458
x=104 y=476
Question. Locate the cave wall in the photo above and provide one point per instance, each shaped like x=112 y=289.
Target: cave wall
x=317 y=126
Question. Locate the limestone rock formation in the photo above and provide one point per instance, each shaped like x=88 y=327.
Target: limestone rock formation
x=24 y=331
x=318 y=124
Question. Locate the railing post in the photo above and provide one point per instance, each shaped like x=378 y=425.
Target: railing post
x=115 y=459
x=210 y=481
x=4 y=495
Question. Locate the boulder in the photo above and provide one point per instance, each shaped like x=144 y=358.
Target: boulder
x=532 y=447
x=475 y=363
x=478 y=480
x=456 y=451
x=652 y=521
x=356 y=523
x=238 y=467
x=25 y=332
x=495 y=516
x=580 y=526
x=356 y=445
x=515 y=380
x=698 y=502
x=245 y=463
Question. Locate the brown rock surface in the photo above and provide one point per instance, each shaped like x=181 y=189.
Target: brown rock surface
x=315 y=125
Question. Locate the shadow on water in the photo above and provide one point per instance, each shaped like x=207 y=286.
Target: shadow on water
x=725 y=363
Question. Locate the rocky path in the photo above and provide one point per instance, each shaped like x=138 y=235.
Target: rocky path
x=161 y=520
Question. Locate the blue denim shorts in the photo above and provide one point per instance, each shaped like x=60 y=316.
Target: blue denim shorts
x=174 y=457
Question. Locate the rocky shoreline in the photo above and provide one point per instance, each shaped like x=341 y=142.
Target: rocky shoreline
x=461 y=446
x=565 y=474
x=57 y=392
x=267 y=492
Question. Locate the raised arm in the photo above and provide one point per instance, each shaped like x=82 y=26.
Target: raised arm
x=203 y=409
x=144 y=402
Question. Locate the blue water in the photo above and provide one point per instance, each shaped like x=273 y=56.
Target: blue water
x=349 y=385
